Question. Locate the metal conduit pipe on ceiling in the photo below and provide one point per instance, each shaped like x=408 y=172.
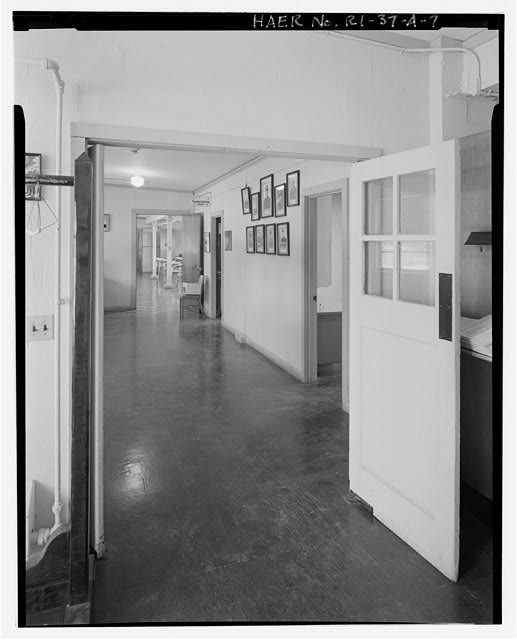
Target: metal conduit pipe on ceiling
x=406 y=50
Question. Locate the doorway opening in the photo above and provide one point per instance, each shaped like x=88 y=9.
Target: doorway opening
x=168 y=247
x=326 y=285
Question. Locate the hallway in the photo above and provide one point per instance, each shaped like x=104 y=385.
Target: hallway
x=226 y=492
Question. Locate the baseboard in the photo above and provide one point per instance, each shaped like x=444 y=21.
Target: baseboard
x=78 y=614
x=272 y=357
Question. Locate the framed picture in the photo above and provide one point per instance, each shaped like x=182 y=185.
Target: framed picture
x=259 y=239
x=250 y=239
x=282 y=241
x=280 y=209
x=32 y=168
x=227 y=240
x=245 y=199
x=207 y=241
x=255 y=206
x=266 y=196
x=293 y=188
x=271 y=239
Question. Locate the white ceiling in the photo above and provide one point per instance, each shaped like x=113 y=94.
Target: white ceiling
x=169 y=169
x=422 y=38
x=458 y=33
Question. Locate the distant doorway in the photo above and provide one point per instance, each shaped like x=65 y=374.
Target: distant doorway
x=218 y=266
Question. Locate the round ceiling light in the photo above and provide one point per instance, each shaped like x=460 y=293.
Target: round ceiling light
x=137 y=181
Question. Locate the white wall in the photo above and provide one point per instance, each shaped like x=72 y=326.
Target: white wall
x=119 y=243
x=452 y=76
x=328 y=215
x=296 y=85
x=35 y=92
x=263 y=293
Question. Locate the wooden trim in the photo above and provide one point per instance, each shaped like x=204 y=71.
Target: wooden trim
x=80 y=436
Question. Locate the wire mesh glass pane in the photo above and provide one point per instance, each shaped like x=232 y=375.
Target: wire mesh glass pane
x=378 y=269
x=416 y=272
x=378 y=210
x=416 y=208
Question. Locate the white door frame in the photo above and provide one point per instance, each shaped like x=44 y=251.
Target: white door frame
x=83 y=134
x=309 y=320
x=211 y=309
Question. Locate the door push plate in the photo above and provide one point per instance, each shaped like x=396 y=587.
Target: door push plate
x=445 y=306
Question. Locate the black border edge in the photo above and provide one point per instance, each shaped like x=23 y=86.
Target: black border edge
x=20 y=365
x=497 y=331
x=209 y=21
x=115 y=21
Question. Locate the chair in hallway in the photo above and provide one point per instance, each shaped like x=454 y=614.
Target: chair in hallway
x=191 y=294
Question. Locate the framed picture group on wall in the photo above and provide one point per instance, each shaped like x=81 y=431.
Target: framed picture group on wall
x=271 y=200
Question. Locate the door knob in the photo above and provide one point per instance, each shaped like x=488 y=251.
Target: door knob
x=314 y=298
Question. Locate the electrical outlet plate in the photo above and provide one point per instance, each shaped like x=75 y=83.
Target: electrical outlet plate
x=40 y=328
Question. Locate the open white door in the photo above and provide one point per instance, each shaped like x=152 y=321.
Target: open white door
x=404 y=346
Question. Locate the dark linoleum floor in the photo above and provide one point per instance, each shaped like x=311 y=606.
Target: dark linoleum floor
x=226 y=492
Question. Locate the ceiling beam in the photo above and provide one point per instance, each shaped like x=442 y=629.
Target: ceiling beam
x=120 y=136
x=117 y=182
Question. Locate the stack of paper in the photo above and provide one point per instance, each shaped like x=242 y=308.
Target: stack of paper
x=476 y=335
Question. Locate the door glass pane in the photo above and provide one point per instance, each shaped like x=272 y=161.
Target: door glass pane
x=416 y=272
x=378 y=211
x=378 y=269
x=416 y=209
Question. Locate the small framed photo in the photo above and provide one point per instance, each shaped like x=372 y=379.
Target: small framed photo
x=227 y=240
x=245 y=199
x=293 y=188
x=282 y=240
x=32 y=168
x=255 y=206
x=280 y=209
x=259 y=239
x=250 y=239
x=207 y=241
x=271 y=239
x=266 y=196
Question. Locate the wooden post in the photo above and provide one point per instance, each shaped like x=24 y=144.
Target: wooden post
x=81 y=385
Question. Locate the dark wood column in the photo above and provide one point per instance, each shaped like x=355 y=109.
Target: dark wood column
x=79 y=516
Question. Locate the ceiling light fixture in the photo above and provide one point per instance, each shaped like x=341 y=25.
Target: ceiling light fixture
x=137 y=181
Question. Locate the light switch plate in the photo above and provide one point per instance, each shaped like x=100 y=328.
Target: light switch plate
x=40 y=328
